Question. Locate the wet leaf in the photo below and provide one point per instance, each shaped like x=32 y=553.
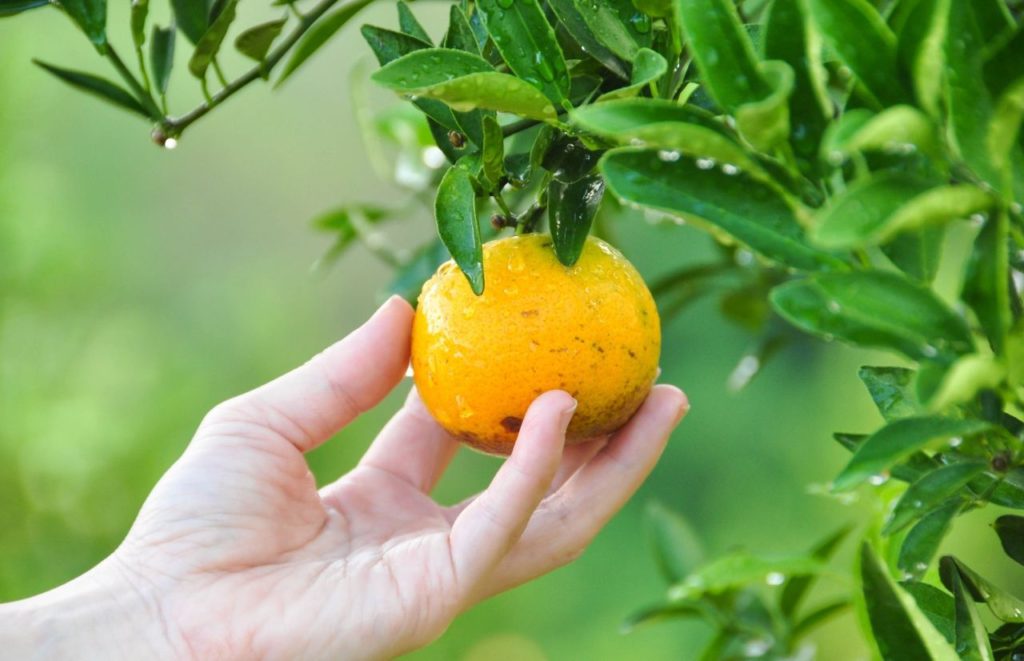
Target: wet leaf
x=900 y=130
x=460 y=34
x=738 y=570
x=874 y=309
x=465 y=82
x=661 y=613
x=648 y=67
x=527 y=43
x=1003 y=605
x=860 y=214
x=732 y=201
x=936 y=605
x=971 y=637
x=723 y=52
x=901 y=631
x=898 y=440
x=571 y=210
x=922 y=542
x=575 y=24
x=892 y=390
x=930 y=492
x=964 y=378
x=455 y=212
x=610 y=21
x=917 y=254
x=492 y=159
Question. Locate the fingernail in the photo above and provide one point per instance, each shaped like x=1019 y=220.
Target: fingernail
x=684 y=408
x=567 y=414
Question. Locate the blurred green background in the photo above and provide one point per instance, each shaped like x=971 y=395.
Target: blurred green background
x=139 y=287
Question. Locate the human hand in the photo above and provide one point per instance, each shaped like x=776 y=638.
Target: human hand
x=237 y=554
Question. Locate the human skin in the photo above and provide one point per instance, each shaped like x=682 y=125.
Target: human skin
x=237 y=554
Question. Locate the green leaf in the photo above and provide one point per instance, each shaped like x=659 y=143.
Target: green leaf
x=492 y=153
x=986 y=288
x=209 y=44
x=91 y=18
x=856 y=217
x=901 y=631
x=677 y=549
x=255 y=42
x=648 y=67
x=922 y=50
x=409 y=25
x=969 y=104
x=344 y=223
x=787 y=38
x=898 y=440
x=571 y=209
x=161 y=56
x=918 y=254
x=527 y=43
x=665 y=125
x=576 y=25
x=455 y=212
x=922 y=542
x=661 y=613
x=971 y=637
x=140 y=12
x=930 y=492
x=936 y=605
x=1003 y=605
x=727 y=199
x=463 y=81
x=12 y=7
x=610 y=21
x=874 y=308
x=96 y=86
x=738 y=570
x=1003 y=132
x=900 y=129
x=723 y=52
x=765 y=122
x=460 y=34
x=192 y=17
x=964 y=378
x=318 y=35
x=796 y=588
x=1010 y=529
x=388 y=45
x=409 y=278
x=819 y=616
x=855 y=31
x=892 y=390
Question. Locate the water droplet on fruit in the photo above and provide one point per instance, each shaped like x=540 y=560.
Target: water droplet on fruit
x=515 y=263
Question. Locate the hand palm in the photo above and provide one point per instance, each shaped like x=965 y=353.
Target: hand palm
x=253 y=560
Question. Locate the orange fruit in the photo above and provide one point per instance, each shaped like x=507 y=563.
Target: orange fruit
x=591 y=329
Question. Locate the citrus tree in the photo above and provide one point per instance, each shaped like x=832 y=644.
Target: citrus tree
x=832 y=149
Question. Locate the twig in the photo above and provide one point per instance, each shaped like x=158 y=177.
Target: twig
x=175 y=126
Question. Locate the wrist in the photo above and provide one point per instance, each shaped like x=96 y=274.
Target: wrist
x=101 y=614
